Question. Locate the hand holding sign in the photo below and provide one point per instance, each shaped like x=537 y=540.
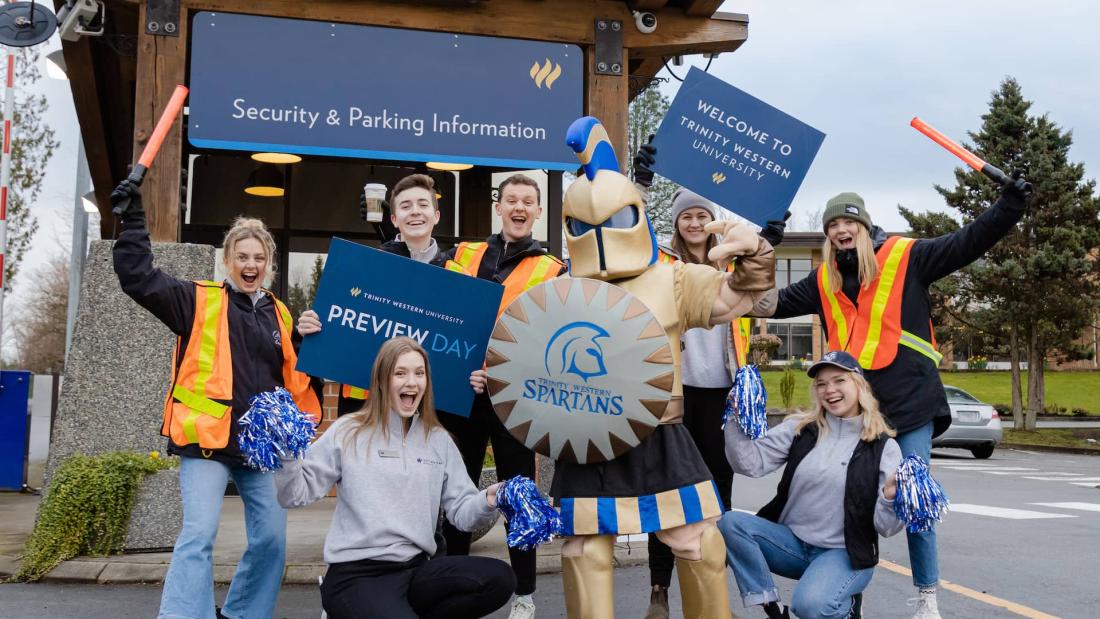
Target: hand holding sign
x=734 y=149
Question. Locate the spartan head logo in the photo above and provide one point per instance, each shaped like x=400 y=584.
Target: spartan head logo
x=574 y=349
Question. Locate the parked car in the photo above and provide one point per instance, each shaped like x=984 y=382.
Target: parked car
x=975 y=425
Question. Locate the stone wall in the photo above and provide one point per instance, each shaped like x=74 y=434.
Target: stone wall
x=116 y=376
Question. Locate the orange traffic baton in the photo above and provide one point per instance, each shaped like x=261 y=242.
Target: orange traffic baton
x=972 y=160
x=149 y=153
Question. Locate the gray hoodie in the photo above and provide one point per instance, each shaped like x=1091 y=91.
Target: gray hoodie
x=815 y=507
x=389 y=489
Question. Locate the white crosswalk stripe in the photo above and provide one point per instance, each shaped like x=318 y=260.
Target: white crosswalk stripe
x=1087 y=507
x=1004 y=512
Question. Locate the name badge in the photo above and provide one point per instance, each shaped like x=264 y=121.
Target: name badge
x=389 y=453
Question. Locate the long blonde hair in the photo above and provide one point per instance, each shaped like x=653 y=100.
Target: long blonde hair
x=250 y=228
x=874 y=423
x=375 y=414
x=865 y=252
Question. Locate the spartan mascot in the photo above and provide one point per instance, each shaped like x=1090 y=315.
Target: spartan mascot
x=662 y=485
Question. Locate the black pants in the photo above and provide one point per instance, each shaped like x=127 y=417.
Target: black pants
x=512 y=458
x=451 y=587
x=703 y=408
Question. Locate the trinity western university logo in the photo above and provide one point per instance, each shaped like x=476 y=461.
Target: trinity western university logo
x=718 y=178
x=579 y=370
x=545 y=74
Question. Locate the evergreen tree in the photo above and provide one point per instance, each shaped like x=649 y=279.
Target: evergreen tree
x=646 y=112
x=1042 y=281
x=300 y=298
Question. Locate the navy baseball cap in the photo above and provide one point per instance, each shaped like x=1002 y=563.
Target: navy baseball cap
x=836 y=358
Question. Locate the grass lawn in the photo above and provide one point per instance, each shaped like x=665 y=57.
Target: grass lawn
x=1068 y=390
x=1055 y=437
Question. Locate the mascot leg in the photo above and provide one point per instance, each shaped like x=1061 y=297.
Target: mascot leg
x=701 y=569
x=587 y=576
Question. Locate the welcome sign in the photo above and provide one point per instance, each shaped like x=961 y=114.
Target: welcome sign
x=320 y=88
x=367 y=296
x=734 y=149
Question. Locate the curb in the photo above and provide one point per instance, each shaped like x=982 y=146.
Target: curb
x=98 y=571
x=1050 y=449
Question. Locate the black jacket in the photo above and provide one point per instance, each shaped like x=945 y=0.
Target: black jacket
x=860 y=494
x=909 y=390
x=401 y=249
x=256 y=351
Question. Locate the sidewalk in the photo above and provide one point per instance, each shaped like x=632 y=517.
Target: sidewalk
x=306 y=529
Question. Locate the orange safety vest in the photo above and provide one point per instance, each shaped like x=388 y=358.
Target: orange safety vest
x=872 y=331
x=197 y=408
x=530 y=272
x=355 y=393
x=740 y=329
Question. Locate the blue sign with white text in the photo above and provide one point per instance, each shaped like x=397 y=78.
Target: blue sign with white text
x=367 y=296
x=343 y=90
x=734 y=149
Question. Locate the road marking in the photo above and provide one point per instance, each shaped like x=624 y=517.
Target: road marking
x=1003 y=512
x=1009 y=472
x=1086 y=485
x=1088 y=507
x=992 y=600
x=1042 y=477
x=992 y=469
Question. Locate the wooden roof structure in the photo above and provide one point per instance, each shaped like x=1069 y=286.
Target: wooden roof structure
x=122 y=80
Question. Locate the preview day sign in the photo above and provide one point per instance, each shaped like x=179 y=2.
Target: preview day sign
x=734 y=149
x=367 y=296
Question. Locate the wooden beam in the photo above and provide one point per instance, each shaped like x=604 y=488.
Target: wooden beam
x=160 y=68
x=606 y=98
x=649 y=5
x=680 y=35
x=702 y=8
x=641 y=71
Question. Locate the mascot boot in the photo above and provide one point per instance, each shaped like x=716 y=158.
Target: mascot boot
x=703 y=586
x=588 y=579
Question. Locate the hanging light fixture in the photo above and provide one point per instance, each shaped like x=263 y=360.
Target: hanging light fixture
x=448 y=167
x=265 y=181
x=276 y=157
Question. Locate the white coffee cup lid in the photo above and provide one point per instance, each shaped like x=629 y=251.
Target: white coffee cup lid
x=375 y=190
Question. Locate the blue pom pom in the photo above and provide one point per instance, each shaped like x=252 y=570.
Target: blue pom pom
x=272 y=426
x=748 y=402
x=921 y=501
x=532 y=520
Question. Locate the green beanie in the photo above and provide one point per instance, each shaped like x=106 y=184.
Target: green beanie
x=847 y=204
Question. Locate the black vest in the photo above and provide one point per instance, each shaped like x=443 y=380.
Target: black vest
x=860 y=494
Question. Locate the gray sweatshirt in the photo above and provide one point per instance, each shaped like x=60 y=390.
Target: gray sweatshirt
x=815 y=507
x=389 y=489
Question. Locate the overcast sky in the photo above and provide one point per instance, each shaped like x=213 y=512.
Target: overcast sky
x=856 y=70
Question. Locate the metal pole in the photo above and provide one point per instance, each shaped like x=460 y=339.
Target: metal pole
x=80 y=245
x=5 y=178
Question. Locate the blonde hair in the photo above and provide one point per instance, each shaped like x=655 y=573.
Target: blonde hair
x=874 y=423
x=865 y=252
x=375 y=414
x=250 y=228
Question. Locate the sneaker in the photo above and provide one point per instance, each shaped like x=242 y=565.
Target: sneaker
x=523 y=607
x=926 y=606
x=857 y=607
x=773 y=611
x=658 y=603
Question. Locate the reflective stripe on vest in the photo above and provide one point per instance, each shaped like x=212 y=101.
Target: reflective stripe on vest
x=530 y=272
x=202 y=379
x=872 y=331
x=355 y=393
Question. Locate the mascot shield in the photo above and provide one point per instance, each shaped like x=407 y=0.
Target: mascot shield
x=579 y=370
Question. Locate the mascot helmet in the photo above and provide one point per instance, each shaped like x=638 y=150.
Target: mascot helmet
x=606 y=228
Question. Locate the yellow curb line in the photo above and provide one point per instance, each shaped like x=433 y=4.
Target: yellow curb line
x=992 y=600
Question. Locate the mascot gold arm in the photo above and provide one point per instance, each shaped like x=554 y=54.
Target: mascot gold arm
x=611 y=239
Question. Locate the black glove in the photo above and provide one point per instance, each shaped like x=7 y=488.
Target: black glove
x=385 y=228
x=646 y=157
x=1017 y=193
x=126 y=203
x=773 y=231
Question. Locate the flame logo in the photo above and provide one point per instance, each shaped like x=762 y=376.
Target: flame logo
x=355 y=292
x=547 y=74
x=718 y=178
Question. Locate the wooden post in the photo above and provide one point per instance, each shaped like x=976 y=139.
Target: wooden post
x=160 y=68
x=606 y=98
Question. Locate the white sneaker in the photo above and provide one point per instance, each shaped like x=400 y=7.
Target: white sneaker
x=926 y=606
x=523 y=607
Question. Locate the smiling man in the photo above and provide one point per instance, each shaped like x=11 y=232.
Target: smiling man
x=514 y=259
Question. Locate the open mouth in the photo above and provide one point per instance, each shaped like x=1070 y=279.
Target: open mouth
x=834 y=400
x=846 y=242
x=249 y=278
x=518 y=220
x=408 y=400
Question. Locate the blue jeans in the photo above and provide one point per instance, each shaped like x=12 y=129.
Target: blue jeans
x=756 y=548
x=923 y=556
x=189 y=585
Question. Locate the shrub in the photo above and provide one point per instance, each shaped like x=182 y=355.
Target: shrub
x=761 y=347
x=86 y=509
x=786 y=387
